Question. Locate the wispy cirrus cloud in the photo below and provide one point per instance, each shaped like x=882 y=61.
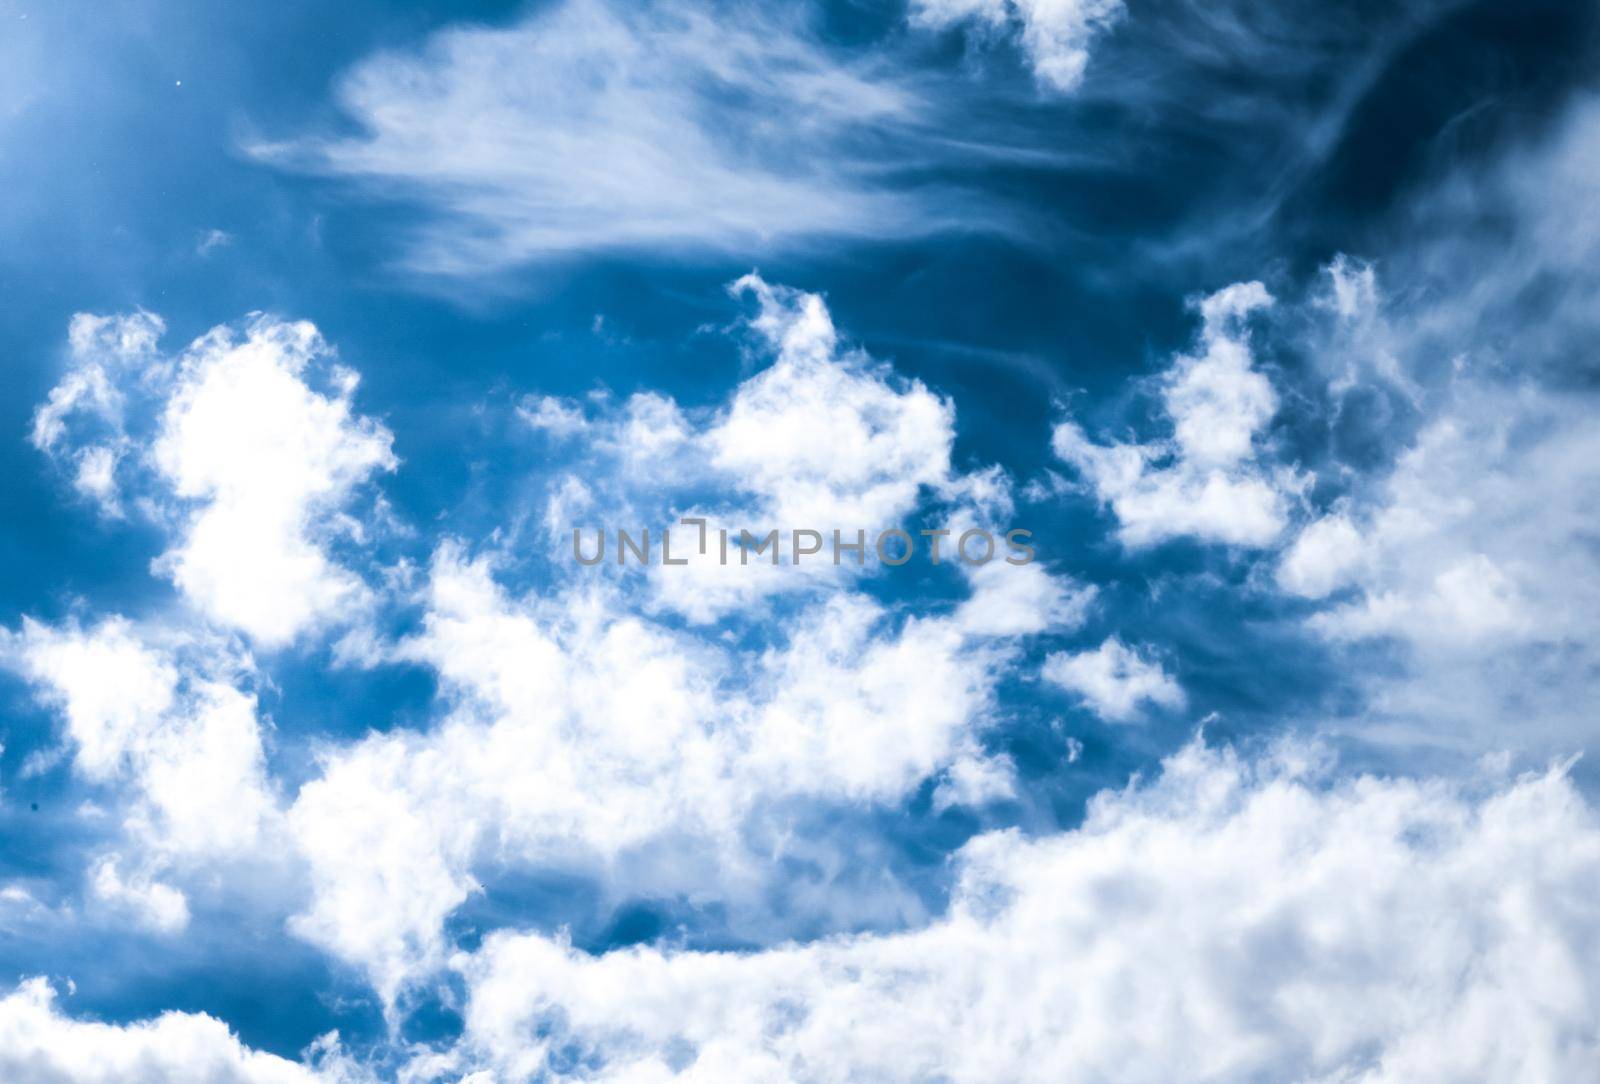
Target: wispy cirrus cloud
x=1449 y=551
x=593 y=125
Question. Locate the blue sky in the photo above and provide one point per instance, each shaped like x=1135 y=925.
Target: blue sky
x=321 y=759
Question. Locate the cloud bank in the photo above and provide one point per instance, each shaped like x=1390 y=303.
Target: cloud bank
x=1233 y=920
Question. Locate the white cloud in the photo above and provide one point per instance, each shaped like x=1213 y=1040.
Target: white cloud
x=1114 y=680
x=976 y=781
x=1352 y=287
x=593 y=124
x=232 y=447
x=103 y=352
x=1471 y=538
x=1461 y=562
x=1207 y=481
x=1470 y=559
x=40 y=1045
x=81 y=422
x=97 y=477
x=165 y=718
x=211 y=240
x=1324 y=557
x=1017 y=600
x=157 y=906
x=825 y=438
x=269 y=459
x=706 y=589
x=584 y=736
x=549 y=414
x=109 y=685
x=121 y=339
x=1231 y=921
x=1055 y=34
x=1218 y=401
x=1466 y=601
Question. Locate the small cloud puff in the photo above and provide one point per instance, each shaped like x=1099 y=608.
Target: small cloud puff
x=1055 y=34
x=1114 y=680
x=1208 y=481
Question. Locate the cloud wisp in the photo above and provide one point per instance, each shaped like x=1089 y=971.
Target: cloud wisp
x=598 y=126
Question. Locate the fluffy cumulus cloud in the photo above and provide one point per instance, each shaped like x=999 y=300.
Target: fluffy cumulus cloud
x=166 y=732
x=150 y=903
x=732 y=739
x=1114 y=680
x=588 y=728
x=167 y=719
x=41 y=1045
x=1324 y=556
x=582 y=726
x=823 y=438
x=582 y=734
x=592 y=124
x=267 y=459
x=1054 y=34
x=585 y=727
x=1234 y=920
x=1209 y=480
x=244 y=445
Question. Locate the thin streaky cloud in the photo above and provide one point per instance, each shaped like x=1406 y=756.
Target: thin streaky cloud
x=597 y=126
